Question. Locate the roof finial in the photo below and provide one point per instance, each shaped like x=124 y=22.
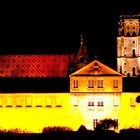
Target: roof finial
x=81 y=40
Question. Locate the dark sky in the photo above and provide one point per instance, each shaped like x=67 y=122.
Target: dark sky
x=44 y=28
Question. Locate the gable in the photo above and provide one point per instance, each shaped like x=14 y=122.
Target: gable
x=95 y=68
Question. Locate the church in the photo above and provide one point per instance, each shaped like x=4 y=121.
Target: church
x=96 y=91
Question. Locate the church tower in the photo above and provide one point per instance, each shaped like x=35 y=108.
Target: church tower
x=128 y=46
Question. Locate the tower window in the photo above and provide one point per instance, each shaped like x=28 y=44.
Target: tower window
x=133 y=53
x=133 y=42
x=134 y=71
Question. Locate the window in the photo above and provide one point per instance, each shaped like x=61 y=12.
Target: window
x=90 y=84
x=19 y=102
x=116 y=124
x=132 y=102
x=115 y=83
x=100 y=102
x=28 y=102
x=9 y=102
x=38 y=101
x=48 y=102
x=134 y=71
x=75 y=83
x=58 y=102
x=90 y=101
x=100 y=83
x=1 y=102
x=95 y=121
x=75 y=101
x=116 y=101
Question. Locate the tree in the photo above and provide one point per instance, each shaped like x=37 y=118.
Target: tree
x=107 y=124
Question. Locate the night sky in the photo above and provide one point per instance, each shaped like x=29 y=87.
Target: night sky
x=55 y=28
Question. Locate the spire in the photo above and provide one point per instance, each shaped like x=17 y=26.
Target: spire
x=81 y=40
x=81 y=58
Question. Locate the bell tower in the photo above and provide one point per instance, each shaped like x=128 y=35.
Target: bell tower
x=128 y=45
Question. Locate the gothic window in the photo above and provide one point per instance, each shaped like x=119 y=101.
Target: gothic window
x=121 y=69
x=133 y=53
x=134 y=71
x=128 y=74
x=128 y=34
x=134 y=34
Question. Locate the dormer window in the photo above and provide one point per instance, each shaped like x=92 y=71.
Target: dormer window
x=95 y=69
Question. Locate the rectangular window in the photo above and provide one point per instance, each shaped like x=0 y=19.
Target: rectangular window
x=28 y=102
x=9 y=102
x=100 y=83
x=38 y=101
x=90 y=101
x=116 y=126
x=116 y=101
x=90 y=84
x=75 y=83
x=75 y=101
x=58 y=102
x=100 y=102
x=19 y=102
x=95 y=121
x=48 y=102
x=132 y=102
x=115 y=83
x=1 y=102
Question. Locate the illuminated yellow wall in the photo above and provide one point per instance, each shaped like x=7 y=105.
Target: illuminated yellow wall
x=33 y=112
x=130 y=110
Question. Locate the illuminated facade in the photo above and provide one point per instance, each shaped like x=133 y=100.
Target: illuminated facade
x=128 y=46
x=95 y=94
x=96 y=91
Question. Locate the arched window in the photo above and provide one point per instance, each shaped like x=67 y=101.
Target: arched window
x=134 y=34
x=128 y=34
x=128 y=74
x=133 y=53
x=134 y=71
